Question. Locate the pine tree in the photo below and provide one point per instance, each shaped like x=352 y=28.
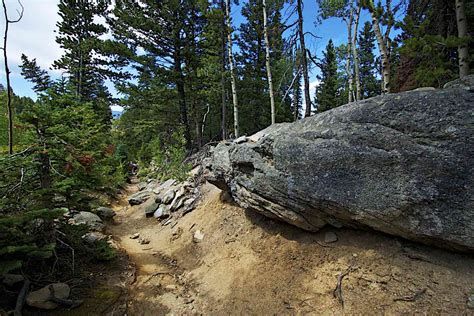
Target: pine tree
x=158 y=28
x=85 y=54
x=368 y=79
x=254 y=102
x=427 y=52
x=32 y=72
x=327 y=91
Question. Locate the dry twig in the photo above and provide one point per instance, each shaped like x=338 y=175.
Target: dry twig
x=337 y=293
x=411 y=298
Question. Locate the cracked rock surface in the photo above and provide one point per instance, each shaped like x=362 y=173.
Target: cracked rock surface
x=400 y=163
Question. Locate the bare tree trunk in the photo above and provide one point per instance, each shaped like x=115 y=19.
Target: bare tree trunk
x=383 y=52
x=179 y=79
x=232 y=74
x=7 y=73
x=349 y=53
x=356 y=57
x=267 y=62
x=296 y=88
x=223 y=81
x=463 y=53
x=304 y=59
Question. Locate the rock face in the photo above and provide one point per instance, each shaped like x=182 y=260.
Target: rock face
x=401 y=164
x=42 y=297
x=87 y=218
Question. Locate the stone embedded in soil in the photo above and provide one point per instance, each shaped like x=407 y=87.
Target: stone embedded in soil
x=41 y=298
x=139 y=197
x=87 y=218
x=169 y=196
x=135 y=236
x=330 y=237
x=470 y=301
x=144 y=241
x=105 y=212
x=198 y=236
x=163 y=211
x=150 y=207
x=164 y=186
x=93 y=237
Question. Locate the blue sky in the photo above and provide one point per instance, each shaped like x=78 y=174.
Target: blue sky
x=34 y=35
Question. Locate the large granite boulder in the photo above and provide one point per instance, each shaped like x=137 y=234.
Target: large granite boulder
x=400 y=163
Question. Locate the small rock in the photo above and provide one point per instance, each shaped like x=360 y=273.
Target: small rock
x=330 y=237
x=162 y=212
x=198 y=236
x=425 y=89
x=139 y=197
x=12 y=279
x=93 y=237
x=150 y=207
x=144 y=241
x=189 y=205
x=470 y=301
x=141 y=186
x=169 y=196
x=240 y=140
x=164 y=186
x=87 y=218
x=105 y=212
x=40 y=298
x=177 y=203
x=135 y=236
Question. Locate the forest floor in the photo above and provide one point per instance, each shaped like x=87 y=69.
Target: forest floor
x=249 y=264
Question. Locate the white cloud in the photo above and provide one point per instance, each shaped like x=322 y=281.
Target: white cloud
x=312 y=90
x=117 y=108
x=34 y=35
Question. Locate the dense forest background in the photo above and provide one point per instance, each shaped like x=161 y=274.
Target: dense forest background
x=185 y=80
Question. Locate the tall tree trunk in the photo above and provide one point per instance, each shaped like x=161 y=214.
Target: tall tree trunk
x=223 y=81
x=7 y=74
x=267 y=62
x=356 y=57
x=296 y=90
x=349 y=54
x=304 y=59
x=463 y=53
x=232 y=74
x=179 y=78
x=385 y=58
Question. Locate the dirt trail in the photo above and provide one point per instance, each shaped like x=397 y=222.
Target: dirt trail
x=248 y=264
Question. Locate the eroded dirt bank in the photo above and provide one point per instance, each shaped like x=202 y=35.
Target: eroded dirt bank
x=248 y=264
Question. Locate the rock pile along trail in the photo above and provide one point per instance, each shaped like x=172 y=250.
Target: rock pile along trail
x=249 y=264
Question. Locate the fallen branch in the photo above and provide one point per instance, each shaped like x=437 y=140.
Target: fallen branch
x=411 y=298
x=20 y=301
x=337 y=293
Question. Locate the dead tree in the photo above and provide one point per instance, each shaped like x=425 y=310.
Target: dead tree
x=304 y=59
x=267 y=62
x=7 y=71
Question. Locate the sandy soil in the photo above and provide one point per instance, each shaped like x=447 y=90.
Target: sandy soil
x=248 y=264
